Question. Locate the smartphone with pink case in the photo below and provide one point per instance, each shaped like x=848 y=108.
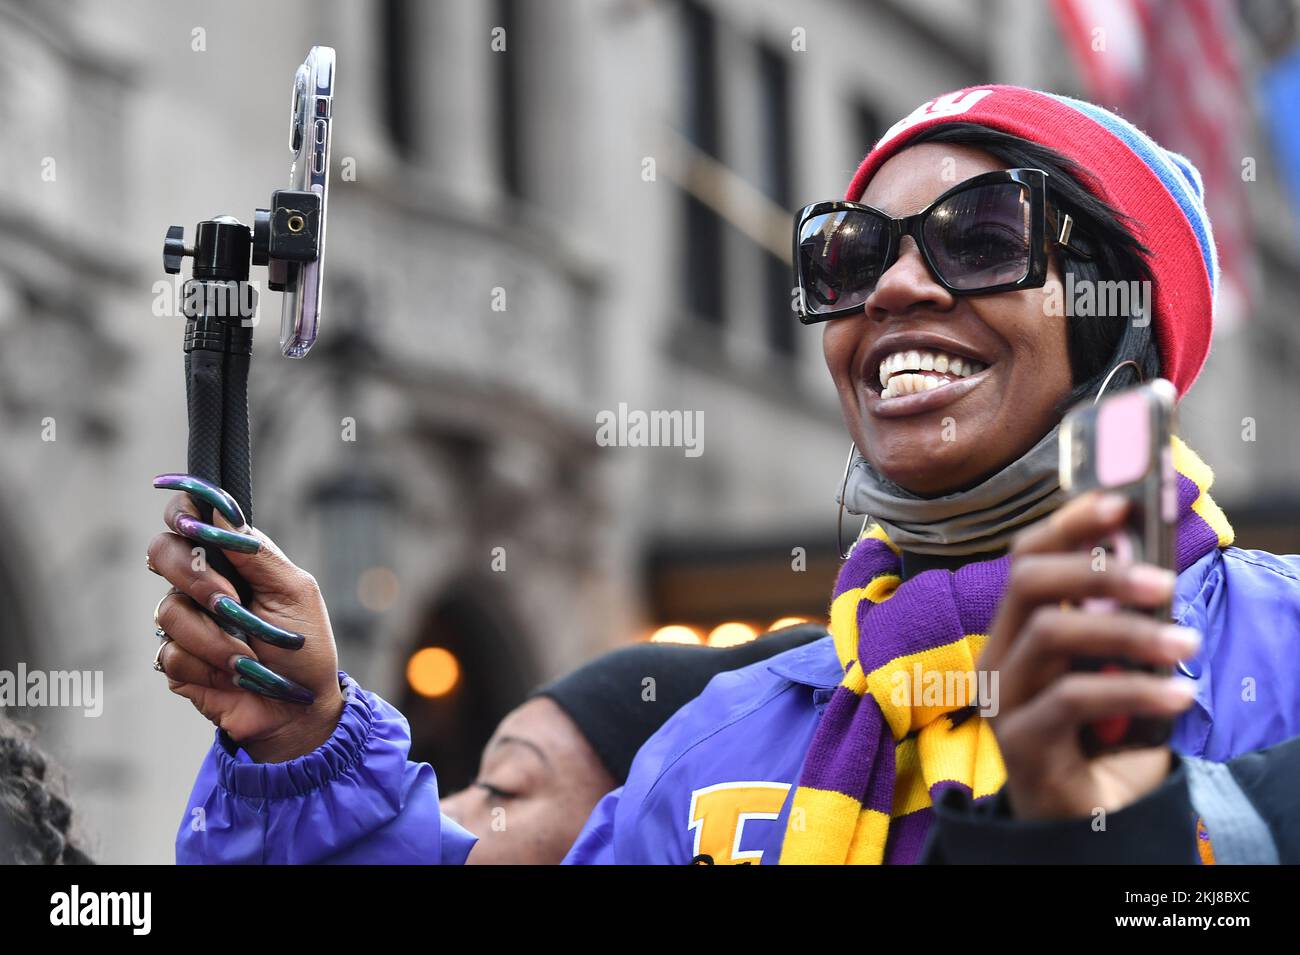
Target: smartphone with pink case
x=1123 y=444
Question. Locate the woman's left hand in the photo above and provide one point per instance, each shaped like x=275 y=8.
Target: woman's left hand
x=1043 y=702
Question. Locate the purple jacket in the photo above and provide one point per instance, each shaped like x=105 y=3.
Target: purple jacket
x=717 y=777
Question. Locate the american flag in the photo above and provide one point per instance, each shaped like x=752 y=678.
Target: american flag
x=1170 y=68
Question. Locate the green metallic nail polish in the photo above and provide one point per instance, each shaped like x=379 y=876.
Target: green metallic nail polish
x=205 y=491
x=250 y=623
x=271 y=682
x=244 y=683
x=196 y=530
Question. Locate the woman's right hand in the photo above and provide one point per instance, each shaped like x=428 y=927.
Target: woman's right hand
x=240 y=686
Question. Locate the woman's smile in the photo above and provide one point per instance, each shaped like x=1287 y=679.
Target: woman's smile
x=909 y=372
x=935 y=392
x=914 y=372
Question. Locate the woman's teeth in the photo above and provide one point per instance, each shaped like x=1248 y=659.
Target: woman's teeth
x=909 y=372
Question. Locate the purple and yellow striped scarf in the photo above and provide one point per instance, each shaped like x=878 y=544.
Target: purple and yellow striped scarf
x=883 y=751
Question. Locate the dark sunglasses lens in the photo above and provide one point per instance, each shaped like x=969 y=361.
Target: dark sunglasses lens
x=979 y=238
x=841 y=256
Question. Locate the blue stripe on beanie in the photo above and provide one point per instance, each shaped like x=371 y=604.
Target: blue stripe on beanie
x=1176 y=172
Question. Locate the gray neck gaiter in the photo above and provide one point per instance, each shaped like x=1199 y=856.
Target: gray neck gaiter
x=983 y=518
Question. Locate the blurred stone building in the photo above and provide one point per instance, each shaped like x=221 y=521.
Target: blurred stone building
x=520 y=240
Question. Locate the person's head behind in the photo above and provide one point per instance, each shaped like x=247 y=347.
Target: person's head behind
x=1037 y=353
x=537 y=782
x=552 y=758
x=35 y=818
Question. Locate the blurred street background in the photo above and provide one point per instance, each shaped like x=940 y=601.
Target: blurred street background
x=540 y=211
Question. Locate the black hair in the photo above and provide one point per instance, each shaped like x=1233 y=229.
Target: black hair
x=604 y=698
x=1096 y=344
x=35 y=817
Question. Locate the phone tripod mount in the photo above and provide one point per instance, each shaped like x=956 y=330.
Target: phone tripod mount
x=220 y=307
x=282 y=238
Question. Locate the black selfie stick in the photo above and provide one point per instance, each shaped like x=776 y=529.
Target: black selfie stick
x=220 y=307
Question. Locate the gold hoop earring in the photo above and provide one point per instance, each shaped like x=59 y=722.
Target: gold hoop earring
x=839 y=520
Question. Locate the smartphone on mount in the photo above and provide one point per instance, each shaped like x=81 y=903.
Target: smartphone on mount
x=310 y=134
x=1123 y=444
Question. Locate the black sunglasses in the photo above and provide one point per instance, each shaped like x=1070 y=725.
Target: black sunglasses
x=985 y=234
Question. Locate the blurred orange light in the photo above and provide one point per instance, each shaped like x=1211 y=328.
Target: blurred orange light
x=433 y=671
x=675 y=633
x=731 y=634
x=787 y=622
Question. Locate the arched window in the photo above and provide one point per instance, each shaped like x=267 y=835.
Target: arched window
x=478 y=671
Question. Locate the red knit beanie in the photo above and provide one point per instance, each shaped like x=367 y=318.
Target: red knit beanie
x=1159 y=190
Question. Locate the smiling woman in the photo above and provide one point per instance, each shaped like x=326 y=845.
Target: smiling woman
x=939 y=278
x=1000 y=409
x=943 y=387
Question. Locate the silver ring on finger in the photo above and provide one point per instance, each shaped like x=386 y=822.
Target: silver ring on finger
x=157 y=609
x=157 y=657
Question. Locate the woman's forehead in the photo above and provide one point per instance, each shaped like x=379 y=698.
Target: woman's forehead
x=541 y=726
x=914 y=177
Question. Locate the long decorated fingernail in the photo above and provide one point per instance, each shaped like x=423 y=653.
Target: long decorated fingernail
x=250 y=623
x=196 y=530
x=244 y=683
x=206 y=491
x=269 y=683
